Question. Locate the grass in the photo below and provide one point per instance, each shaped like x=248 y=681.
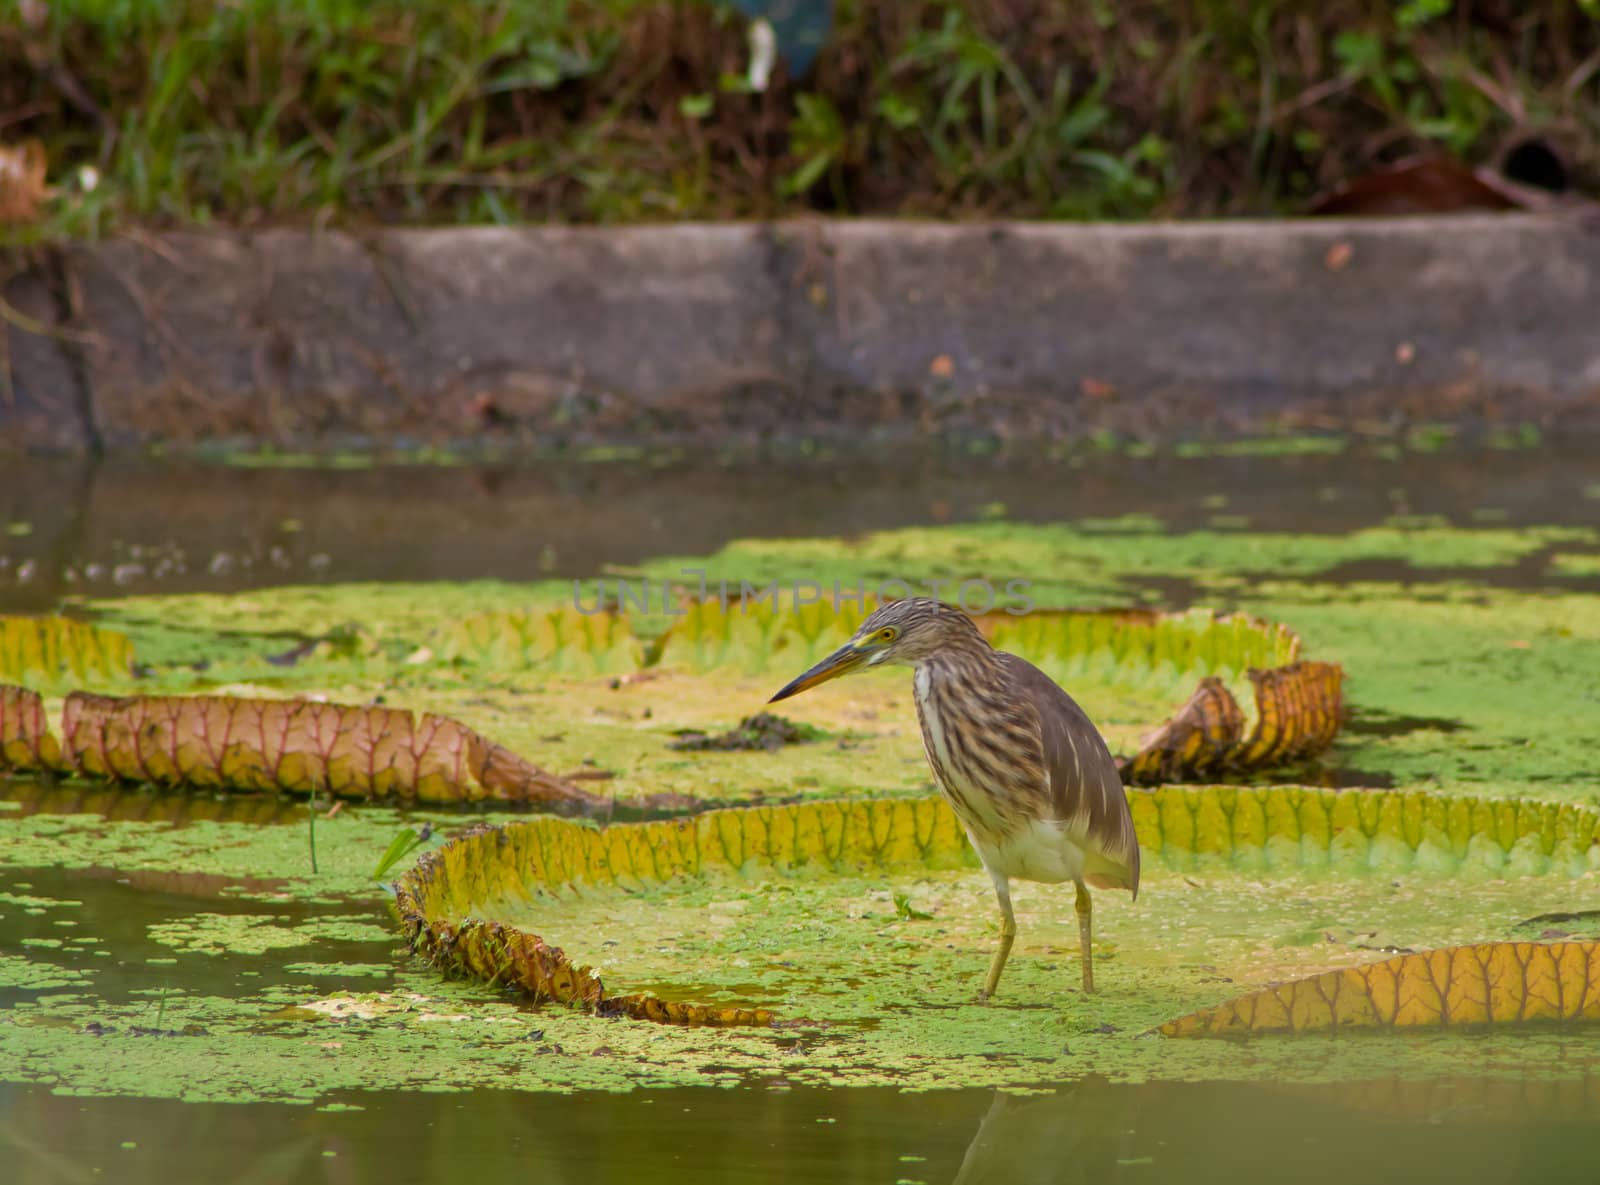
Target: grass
x=445 y=111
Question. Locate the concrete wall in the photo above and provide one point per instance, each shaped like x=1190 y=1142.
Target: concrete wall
x=547 y=333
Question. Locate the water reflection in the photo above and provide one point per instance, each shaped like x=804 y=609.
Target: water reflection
x=28 y=796
x=1466 y=1131
x=131 y=526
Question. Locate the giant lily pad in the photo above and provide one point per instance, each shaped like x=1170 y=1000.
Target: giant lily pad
x=545 y=638
x=50 y=649
x=1486 y=984
x=295 y=745
x=304 y=746
x=471 y=907
x=1470 y=695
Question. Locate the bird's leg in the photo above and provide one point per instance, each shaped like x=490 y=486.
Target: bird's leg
x=1008 y=933
x=1085 y=909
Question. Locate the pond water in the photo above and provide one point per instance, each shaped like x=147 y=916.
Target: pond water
x=1093 y=1131
x=158 y=952
x=139 y=526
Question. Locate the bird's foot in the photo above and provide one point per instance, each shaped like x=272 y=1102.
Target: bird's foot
x=983 y=996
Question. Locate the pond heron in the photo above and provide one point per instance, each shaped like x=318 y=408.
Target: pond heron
x=1022 y=766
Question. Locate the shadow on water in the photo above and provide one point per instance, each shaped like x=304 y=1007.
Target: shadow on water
x=1468 y=1132
x=139 y=526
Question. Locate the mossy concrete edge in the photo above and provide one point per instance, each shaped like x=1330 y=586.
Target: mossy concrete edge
x=718 y=331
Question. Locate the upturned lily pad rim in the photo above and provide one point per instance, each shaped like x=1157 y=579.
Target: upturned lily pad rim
x=1473 y=986
x=1270 y=827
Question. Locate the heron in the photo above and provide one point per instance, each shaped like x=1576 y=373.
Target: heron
x=1020 y=763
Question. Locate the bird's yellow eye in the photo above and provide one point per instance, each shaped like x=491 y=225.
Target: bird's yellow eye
x=888 y=633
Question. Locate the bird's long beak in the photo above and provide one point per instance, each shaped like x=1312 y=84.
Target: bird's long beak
x=841 y=662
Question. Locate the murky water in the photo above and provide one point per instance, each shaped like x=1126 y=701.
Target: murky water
x=1091 y=1132
x=127 y=527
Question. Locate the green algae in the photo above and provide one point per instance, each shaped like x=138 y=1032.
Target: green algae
x=790 y=871
x=1507 y=670
x=26 y=973
x=248 y=934
x=1580 y=565
x=1462 y=684
x=375 y=970
x=1073 y=565
x=889 y=1001
x=261 y=875
x=1428 y=648
x=1266 y=446
x=31 y=902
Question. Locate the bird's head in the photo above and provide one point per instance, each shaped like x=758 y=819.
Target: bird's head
x=903 y=632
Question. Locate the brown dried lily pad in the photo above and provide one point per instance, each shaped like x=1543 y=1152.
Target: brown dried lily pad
x=1298 y=711
x=221 y=742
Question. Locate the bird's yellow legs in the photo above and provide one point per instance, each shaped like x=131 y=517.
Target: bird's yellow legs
x=1085 y=909
x=1008 y=934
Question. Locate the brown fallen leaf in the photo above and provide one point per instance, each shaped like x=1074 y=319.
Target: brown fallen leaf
x=1419 y=185
x=22 y=181
x=1490 y=983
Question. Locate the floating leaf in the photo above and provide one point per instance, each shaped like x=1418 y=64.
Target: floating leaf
x=372 y=752
x=26 y=744
x=752 y=636
x=1129 y=645
x=440 y=902
x=276 y=745
x=1140 y=645
x=1258 y=828
x=48 y=649
x=558 y=640
x=1298 y=712
x=447 y=902
x=1491 y=983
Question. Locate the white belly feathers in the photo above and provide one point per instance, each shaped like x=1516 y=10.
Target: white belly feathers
x=1033 y=849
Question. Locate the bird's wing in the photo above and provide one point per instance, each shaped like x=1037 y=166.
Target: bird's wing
x=1085 y=791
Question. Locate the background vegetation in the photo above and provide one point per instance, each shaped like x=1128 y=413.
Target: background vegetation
x=622 y=110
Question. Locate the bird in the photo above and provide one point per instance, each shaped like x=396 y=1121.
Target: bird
x=1023 y=767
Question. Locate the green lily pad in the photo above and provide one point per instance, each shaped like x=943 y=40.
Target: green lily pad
x=480 y=906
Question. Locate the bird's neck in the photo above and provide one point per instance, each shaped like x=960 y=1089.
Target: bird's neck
x=956 y=665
